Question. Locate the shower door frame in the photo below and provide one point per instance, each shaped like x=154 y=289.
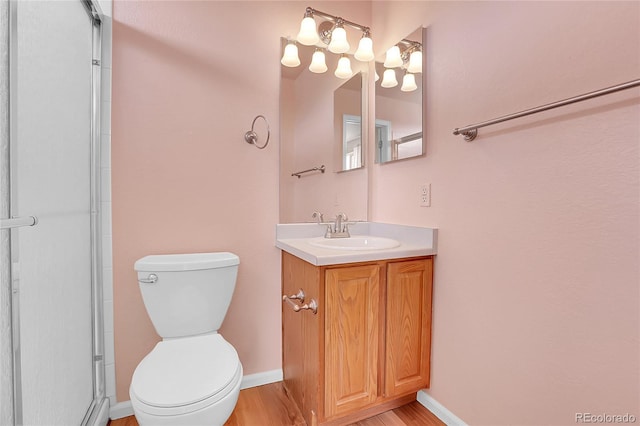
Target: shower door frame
x=97 y=412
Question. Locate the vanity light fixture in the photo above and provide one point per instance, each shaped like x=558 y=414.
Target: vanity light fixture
x=344 y=68
x=415 y=62
x=290 y=57
x=365 y=48
x=318 y=62
x=331 y=32
x=393 y=58
x=408 y=58
x=339 y=43
x=308 y=34
x=409 y=82
x=389 y=78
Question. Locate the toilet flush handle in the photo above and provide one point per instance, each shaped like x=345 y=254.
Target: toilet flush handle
x=149 y=280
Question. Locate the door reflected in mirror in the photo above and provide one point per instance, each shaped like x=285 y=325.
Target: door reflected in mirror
x=347 y=122
x=399 y=100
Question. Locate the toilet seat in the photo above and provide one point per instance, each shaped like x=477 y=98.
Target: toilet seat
x=183 y=375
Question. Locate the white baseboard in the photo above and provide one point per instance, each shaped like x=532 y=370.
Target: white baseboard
x=120 y=410
x=124 y=409
x=259 y=379
x=439 y=410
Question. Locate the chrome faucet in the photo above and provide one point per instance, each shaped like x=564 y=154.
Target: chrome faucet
x=340 y=228
x=337 y=229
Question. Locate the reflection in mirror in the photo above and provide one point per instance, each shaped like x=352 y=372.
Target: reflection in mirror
x=398 y=133
x=320 y=124
x=347 y=122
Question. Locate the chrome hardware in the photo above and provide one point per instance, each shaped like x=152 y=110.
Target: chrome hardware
x=470 y=132
x=17 y=222
x=311 y=306
x=320 y=169
x=252 y=137
x=340 y=228
x=319 y=217
x=298 y=296
x=151 y=279
x=337 y=229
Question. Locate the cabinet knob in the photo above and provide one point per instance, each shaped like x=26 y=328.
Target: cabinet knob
x=298 y=296
x=311 y=306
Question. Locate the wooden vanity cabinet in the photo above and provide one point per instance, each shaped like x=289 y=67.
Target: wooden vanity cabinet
x=367 y=349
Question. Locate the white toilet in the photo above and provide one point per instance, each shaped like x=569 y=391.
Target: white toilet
x=191 y=377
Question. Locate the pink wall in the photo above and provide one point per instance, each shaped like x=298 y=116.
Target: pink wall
x=536 y=281
x=187 y=82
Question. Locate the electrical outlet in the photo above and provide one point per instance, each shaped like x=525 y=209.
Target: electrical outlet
x=425 y=195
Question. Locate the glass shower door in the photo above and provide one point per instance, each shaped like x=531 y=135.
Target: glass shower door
x=51 y=179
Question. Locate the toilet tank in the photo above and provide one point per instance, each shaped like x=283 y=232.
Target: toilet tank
x=191 y=292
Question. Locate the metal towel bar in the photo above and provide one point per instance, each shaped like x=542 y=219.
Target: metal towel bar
x=320 y=169
x=470 y=132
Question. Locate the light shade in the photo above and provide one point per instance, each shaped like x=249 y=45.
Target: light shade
x=365 y=50
x=389 y=78
x=308 y=34
x=415 y=62
x=339 y=43
x=318 y=62
x=393 y=59
x=344 y=68
x=290 y=57
x=409 y=83
x=377 y=77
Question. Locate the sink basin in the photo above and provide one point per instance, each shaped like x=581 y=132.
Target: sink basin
x=356 y=242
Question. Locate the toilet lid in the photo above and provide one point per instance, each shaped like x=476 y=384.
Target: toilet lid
x=185 y=371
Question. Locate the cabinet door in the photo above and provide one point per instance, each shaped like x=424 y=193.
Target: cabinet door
x=408 y=329
x=352 y=331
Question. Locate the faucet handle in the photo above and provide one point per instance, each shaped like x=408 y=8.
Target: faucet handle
x=319 y=217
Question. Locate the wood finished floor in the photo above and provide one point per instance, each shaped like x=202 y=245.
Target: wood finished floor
x=269 y=405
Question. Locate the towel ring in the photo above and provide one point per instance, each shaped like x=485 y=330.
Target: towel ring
x=252 y=137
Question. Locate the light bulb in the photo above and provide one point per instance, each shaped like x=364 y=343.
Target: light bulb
x=409 y=83
x=290 y=57
x=365 y=50
x=415 y=62
x=318 y=63
x=308 y=34
x=393 y=59
x=389 y=78
x=344 y=68
x=339 y=43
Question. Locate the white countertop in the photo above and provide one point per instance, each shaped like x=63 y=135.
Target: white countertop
x=414 y=241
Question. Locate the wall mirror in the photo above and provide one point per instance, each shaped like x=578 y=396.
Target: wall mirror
x=399 y=100
x=321 y=124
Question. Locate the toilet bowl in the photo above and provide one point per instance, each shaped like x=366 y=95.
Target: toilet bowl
x=194 y=380
x=193 y=376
